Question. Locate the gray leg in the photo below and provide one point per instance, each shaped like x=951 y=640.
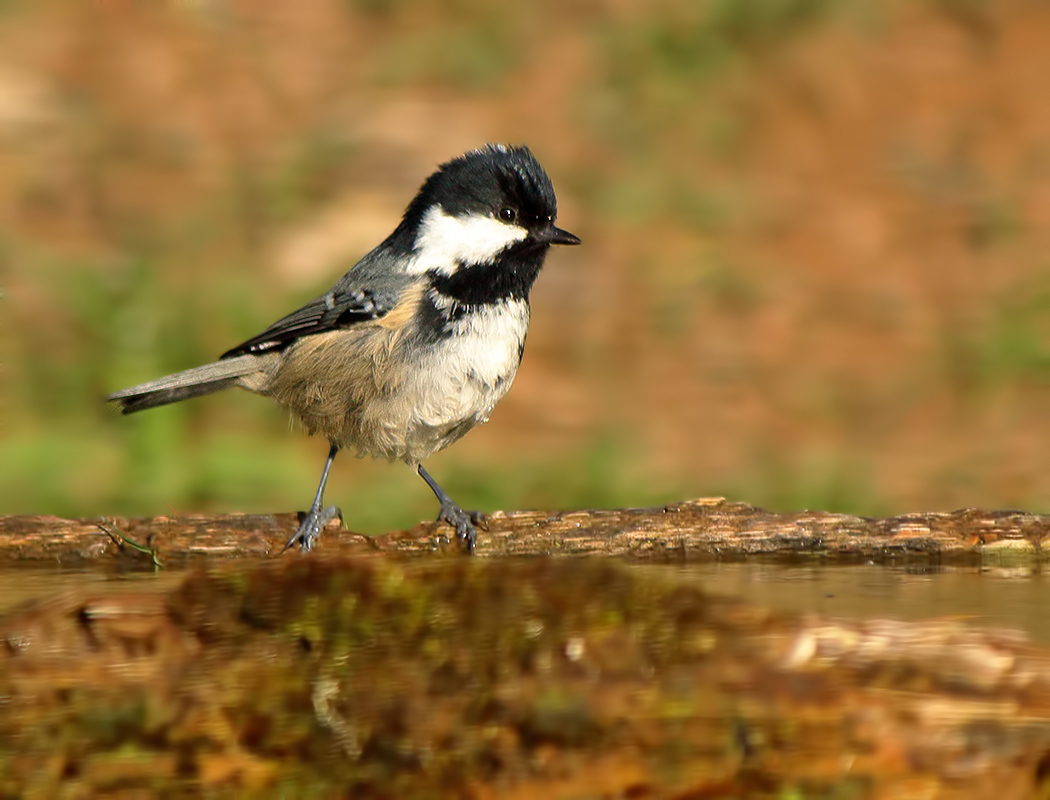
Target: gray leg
x=313 y=521
x=462 y=521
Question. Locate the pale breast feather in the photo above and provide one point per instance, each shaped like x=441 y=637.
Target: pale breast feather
x=486 y=342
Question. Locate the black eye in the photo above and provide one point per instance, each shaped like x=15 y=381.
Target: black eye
x=508 y=215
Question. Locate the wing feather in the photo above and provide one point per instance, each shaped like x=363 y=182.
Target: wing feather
x=338 y=308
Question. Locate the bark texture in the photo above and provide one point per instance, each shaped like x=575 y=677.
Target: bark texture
x=704 y=528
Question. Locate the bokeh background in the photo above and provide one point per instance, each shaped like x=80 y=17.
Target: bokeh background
x=816 y=269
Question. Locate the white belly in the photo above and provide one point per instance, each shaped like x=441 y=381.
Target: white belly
x=452 y=386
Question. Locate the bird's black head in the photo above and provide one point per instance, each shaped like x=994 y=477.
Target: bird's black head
x=482 y=224
x=506 y=183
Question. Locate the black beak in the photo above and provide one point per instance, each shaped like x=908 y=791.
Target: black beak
x=558 y=236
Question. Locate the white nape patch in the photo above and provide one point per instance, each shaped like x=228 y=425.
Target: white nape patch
x=444 y=241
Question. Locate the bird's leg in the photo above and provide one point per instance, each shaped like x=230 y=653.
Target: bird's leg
x=462 y=521
x=313 y=521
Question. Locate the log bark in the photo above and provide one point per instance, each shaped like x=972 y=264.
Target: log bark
x=693 y=529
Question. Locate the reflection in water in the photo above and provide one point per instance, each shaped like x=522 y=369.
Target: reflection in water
x=551 y=677
x=22 y=584
x=996 y=598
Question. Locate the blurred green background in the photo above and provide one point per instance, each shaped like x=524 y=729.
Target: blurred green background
x=815 y=274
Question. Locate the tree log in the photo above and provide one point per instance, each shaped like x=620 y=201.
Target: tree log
x=694 y=529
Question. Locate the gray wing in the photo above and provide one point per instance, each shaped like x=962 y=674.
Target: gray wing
x=366 y=292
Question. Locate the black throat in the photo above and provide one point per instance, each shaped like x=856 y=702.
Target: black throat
x=509 y=277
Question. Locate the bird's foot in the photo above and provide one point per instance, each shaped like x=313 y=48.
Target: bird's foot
x=464 y=522
x=311 y=523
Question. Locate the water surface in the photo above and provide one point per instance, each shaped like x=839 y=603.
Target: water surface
x=999 y=598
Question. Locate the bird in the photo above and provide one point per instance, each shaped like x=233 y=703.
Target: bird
x=416 y=343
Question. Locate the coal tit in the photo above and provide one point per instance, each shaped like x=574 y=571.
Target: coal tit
x=418 y=341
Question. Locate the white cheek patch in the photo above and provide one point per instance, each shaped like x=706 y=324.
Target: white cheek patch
x=445 y=241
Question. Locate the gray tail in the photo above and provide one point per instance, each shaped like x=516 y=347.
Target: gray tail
x=184 y=385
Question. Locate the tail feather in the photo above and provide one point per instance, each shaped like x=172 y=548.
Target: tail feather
x=184 y=385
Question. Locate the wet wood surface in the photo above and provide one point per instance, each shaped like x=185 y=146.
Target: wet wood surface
x=696 y=528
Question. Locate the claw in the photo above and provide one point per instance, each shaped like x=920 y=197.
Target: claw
x=463 y=522
x=311 y=524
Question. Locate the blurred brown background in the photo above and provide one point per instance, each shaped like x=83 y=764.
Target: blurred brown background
x=815 y=270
